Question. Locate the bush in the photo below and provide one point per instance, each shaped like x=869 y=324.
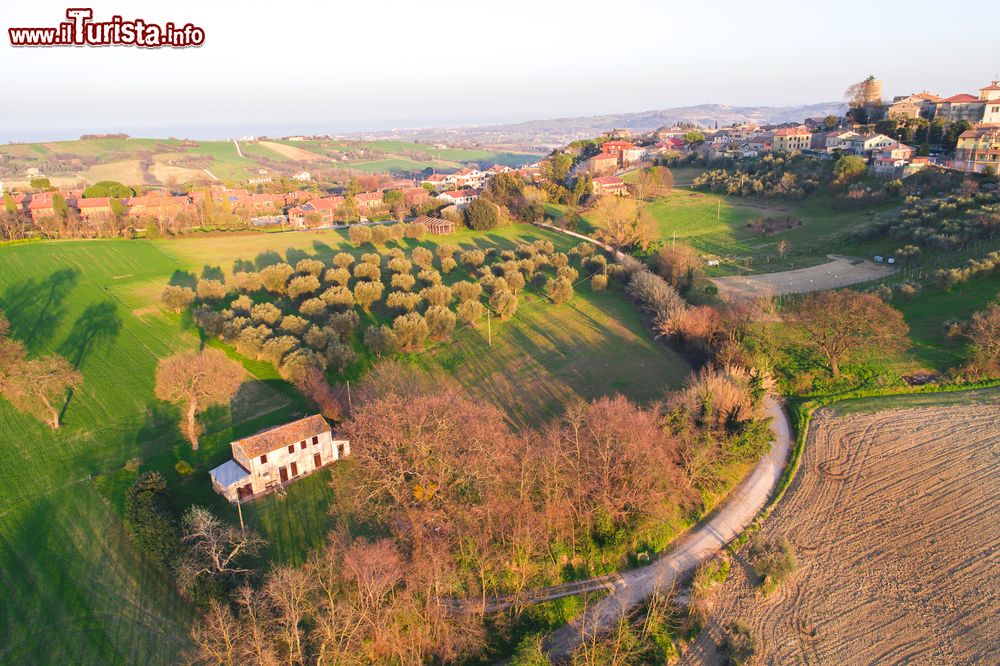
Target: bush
x=183 y=468
x=411 y=331
x=470 y=311
x=359 y=234
x=440 y=321
x=559 y=289
x=150 y=521
x=773 y=561
x=738 y=646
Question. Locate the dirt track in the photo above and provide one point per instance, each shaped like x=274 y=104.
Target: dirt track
x=838 y=272
x=894 y=517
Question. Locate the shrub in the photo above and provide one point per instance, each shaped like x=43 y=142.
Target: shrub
x=403 y=281
x=411 y=331
x=211 y=290
x=470 y=311
x=422 y=257
x=339 y=297
x=473 y=258
x=150 y=521
x=266 y=313
x=429 y=276
x=368 y=293
x=400 y=265
x=437 y=294
x=359 y=234
x=381 y=340
x=773 y=561
x=738 y=645
x=314 y=308
x=466 y=291
x=340 y=276
x=275 y=277
x=559 y=289
x=177 y=298
x=344 y=323
x=313 y=267
x=440 y=321
x=366 y=271
x=302 y=286
x=343 y=260
x=403 y=300
x=504 y=302
x=183 y=468
x=339 y=355
x=294 y=324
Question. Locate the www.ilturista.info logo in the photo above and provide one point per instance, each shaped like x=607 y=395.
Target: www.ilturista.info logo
x=81 y=30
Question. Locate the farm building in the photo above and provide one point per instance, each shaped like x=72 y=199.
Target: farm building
x=265 y=462
x=436 y=225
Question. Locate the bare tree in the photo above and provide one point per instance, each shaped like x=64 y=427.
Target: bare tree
x=841 y=323
x=196 y=381
x=214 y=547
x=217 y=636
x=984 y=333
x=38 y=386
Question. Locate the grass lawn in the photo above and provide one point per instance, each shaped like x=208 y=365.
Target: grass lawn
x=76 y=590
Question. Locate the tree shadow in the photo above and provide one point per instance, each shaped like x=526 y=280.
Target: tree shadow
x=212 y=273
x=323 y=250
x=35 y=308
x=98 y=326
x=183 y=279
x=267 y=258
x=243 y=266
x=294 y=255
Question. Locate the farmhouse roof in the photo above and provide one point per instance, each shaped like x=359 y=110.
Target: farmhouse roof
x=457 y=194
x=95 y=202
x=229 y=473
x=961 y=98
x=281 y=436
x=369 y=196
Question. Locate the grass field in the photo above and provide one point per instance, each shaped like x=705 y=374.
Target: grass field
x=76 y=590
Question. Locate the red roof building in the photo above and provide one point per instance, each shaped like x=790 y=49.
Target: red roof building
x=609 y=185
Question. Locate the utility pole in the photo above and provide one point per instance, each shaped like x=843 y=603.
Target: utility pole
x=673 y=241
x=239 y=509
x=350 y=407
x=489 y=327
x=718 y=212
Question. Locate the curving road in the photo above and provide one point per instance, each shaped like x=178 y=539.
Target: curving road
x=697 y=546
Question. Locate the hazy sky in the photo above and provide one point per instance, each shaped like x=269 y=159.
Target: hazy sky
x=286 y=66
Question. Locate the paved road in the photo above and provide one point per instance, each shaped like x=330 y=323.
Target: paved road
x=696 y=547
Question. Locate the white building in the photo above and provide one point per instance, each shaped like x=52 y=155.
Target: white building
x=865 y=145
x=265 y=462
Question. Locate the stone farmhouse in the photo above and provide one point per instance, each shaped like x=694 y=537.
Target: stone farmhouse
x=265 y=462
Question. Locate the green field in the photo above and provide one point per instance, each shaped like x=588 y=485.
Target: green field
x=76 y=590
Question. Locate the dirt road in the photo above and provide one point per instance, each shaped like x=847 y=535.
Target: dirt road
x=701 y=543
x=894 y=519
x=836 y=273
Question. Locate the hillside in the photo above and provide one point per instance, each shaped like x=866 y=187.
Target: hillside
x=555 y=131
x=173 y=162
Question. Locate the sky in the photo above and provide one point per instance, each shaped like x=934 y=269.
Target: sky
x=297 y=66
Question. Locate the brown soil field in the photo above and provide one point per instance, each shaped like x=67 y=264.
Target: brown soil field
x=838 y=272
x=894 y=519
x=293 y=153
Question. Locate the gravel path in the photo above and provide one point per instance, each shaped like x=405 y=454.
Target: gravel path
x=701 y=543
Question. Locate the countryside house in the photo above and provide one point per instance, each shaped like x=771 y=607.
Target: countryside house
x=264 y=462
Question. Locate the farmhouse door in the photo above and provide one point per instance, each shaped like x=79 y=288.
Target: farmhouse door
x=318 y=461
x=295 y=469
x=283 y=473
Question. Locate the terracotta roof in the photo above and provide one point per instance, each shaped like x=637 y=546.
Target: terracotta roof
x=434 y=178
x=281 y=436
x=961 y=98
x=96 y=202
x=791 y=131
x=369 y=196
x=992 y=86
x=456 y=194
x=605 y=156
x=326 y=203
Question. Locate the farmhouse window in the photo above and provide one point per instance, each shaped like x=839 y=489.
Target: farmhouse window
x=302 y=445
x=291 y=448
x=263 y=459
x=315 y=441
